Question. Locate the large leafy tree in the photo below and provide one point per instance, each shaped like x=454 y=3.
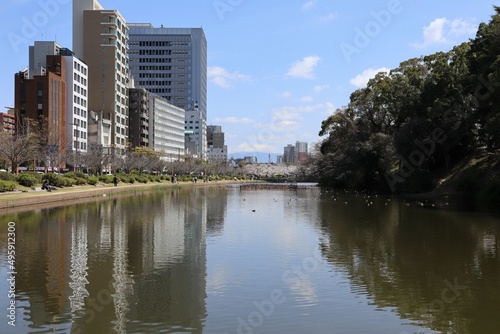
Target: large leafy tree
x=431 y=110
x=484 y=62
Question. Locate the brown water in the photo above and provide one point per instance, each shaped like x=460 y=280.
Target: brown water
x=202 y=261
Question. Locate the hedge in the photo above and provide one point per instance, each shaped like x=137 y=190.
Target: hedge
x=28 y=179
x=7 y=186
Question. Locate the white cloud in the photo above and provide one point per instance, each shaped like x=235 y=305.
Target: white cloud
x=230 y=135
x=361 y=80
x=256 y=147
x=223 y=78
x=286 y=94
x=320 y=88
x=308 y=5
x=304 y=68
x=328 y=17
x=289 y=118
x=234 y=120
x=444 y=31
x=307 y=99
x=461 y=28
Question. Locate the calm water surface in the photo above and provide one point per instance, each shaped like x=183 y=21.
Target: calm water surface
x=225 y=260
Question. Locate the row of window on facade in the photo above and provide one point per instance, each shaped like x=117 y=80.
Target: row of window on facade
x=80 y=90
x=163 y=75
x=79 y=68
x=79 y=112
x=155 y=68
x=175 y=41
x=78 y=100
x=79 y=145
x=79 y=134
x=80 y=124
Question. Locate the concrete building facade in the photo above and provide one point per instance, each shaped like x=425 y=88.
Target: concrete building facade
x=166 y=126
x=76 y=89
x=100 y=38
x=301 y=150
x=293 y=154
x=172 y=63
x=8 y=122
x=76 y=104
x=138 y=117
x=41 y=101
x=217 y=149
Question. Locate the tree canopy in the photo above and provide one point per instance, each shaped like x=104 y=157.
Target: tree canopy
x=418 y=120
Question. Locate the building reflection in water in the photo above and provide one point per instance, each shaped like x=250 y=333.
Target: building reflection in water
x=132 y=264
x=78 y=276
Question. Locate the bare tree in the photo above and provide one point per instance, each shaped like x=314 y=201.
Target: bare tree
x=18 y=148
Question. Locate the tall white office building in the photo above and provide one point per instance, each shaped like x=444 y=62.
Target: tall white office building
x=166 y=128
x=172 y=63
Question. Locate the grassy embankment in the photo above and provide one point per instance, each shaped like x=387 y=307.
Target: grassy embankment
x=67 y=191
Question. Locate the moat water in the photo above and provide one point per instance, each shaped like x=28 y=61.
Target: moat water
x=224 y=260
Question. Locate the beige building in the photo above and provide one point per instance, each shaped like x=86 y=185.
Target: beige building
x=100 y=38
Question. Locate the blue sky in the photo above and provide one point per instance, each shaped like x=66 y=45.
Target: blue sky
x=276 y=68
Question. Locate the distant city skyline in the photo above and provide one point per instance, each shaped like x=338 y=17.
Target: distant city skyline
x=274 y=72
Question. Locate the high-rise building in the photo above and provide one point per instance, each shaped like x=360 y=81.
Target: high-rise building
x=138 y=117
x=41 y=102
x=289 y=153
x=172 y=63
x=301 y=150
x=217 y=150
x=166 y=128
x=76 y=104
x=52 y=92
x=295 y=153
x=100 y=38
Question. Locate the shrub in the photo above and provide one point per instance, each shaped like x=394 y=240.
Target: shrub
x=79 y=180
x=27 y=179
x=6 y=176
x=7 y=186
x=57 y=180
x=142 y=179
x=106 y=178
x=75 y=175
x=92 y=180
x=124 y=177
